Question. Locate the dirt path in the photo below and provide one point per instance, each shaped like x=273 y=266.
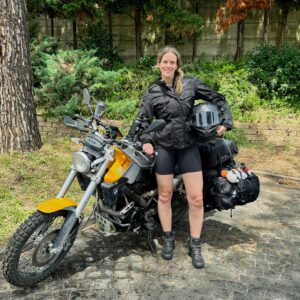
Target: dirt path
x=278 y=160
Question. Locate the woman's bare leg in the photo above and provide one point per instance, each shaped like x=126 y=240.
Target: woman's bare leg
x=193 y=183
x=165 y=191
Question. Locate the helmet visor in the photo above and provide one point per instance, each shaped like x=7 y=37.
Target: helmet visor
x=206 y=119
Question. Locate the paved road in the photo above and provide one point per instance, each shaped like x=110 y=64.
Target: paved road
x=253 y=255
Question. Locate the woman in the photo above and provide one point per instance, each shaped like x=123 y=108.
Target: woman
x=172 y=99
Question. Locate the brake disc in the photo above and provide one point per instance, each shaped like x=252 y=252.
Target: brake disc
x=43 y=252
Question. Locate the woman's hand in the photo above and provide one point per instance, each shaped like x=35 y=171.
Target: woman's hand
x=221 y=129
x=148 y=148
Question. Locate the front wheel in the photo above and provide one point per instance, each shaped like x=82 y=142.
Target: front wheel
x=30 y=256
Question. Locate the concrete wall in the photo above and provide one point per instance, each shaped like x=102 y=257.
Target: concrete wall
x=210 y=43
x=277 y=134
x=256 y=132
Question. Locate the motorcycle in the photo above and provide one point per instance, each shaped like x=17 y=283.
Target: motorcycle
x=120 y=177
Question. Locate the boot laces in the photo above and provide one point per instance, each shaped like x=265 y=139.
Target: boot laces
x=168 y=242
x=196 y=249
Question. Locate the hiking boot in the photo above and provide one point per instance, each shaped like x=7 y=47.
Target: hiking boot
x=195 y=252
x=168 y=247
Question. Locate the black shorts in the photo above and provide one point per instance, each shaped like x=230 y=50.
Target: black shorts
x=188 y=160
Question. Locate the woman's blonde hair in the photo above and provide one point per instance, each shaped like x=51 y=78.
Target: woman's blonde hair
x=178 y=73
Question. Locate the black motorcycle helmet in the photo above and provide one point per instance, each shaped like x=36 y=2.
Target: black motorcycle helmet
x=205 y=119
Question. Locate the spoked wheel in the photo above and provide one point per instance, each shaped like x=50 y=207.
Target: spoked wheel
x=30 y=255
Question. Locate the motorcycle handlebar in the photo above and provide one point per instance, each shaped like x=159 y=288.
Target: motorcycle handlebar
x=126 y=142
x=80 y=117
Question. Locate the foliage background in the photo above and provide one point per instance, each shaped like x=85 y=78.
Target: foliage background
x=263 y=85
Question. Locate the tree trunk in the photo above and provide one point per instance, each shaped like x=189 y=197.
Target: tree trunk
x=138 y=30
x=194 y=54
x=168 y=39
x=52 y=25
x=18 y=122
x=283 y=22
x=74 y=35
x=266 y=26
x=110 y=31
x=240 y=40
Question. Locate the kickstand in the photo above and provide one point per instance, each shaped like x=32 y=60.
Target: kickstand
x=150 y=242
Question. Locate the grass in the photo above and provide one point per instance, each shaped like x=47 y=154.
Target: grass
x=27 y=179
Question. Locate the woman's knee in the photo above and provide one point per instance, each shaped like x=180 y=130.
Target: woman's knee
x=165 y=196
x=196 y=201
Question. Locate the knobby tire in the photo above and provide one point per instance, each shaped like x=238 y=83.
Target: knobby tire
x=13 y=252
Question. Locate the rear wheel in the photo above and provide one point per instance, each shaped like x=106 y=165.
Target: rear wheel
x=30 y=255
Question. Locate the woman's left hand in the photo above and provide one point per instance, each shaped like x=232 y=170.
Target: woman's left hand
x=221 y=129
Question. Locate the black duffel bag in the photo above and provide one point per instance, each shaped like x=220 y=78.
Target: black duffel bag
x=226 y=195
x=217 y=153
x=247 y=189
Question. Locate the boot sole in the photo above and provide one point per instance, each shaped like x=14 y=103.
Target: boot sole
x=168 y=257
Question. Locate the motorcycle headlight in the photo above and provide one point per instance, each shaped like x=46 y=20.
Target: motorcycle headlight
x=81 y=162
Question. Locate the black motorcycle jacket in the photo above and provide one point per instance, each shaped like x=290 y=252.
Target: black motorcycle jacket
x=162 y=102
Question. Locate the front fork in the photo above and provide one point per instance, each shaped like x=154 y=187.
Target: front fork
x=73 y=217
x=88 y=192
x=67 y=183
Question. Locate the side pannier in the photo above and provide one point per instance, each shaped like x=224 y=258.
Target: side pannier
x=234 y=187
x=217 y=153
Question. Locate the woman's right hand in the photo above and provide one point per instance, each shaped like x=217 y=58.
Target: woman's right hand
x=148 y=148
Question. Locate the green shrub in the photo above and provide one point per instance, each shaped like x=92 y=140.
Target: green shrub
x=238 y=136
x=240 y=94
x=146 y=62
x=66 y=74
x=121 y=110
x=134 y=80
x=38 y=48
x=211 y=69
x=276 y=74
x=99 y=40
x=230 y=79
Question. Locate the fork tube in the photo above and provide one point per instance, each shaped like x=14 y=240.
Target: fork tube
x=67 y=184
x=91 y=188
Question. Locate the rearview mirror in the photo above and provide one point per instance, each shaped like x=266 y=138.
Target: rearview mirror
x=156 y=125
x=86 y=96
x=68 y=121
x=78 y=124
x=99 y=109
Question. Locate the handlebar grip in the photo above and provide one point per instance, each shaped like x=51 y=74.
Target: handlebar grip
x=138 y=145
x=151 y=157
x=80 y=117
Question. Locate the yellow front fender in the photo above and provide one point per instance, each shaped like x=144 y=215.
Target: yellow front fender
x=56 y=204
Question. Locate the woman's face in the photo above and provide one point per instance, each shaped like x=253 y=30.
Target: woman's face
x=168 y=66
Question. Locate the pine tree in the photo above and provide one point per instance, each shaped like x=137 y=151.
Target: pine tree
x=18 y=121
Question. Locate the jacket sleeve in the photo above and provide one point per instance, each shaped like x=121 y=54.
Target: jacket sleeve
x=145 y=115
x=203 y=91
